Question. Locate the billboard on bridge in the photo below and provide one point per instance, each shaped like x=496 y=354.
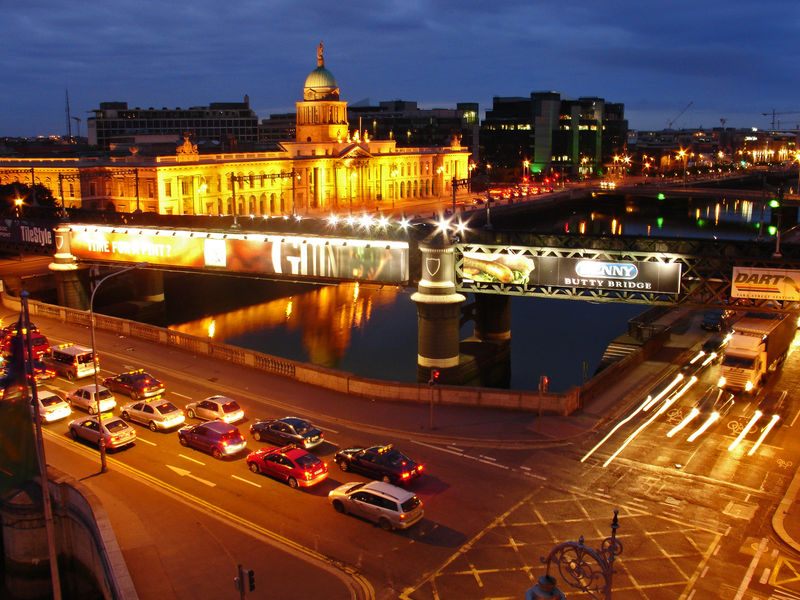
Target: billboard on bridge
x=292 y=256
x=766 y=284
x=523 y=270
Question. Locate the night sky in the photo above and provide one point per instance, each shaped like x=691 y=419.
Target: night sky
x=732 y=60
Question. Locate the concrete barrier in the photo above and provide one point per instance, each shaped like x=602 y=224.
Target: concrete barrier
x=89 y=557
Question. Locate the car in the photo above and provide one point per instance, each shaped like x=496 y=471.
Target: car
x=136 y=384
x=39 y=343
x=116 y=432
x=71 y=361
x=291 y=464
x=716 y=344
x=379 y=462
x=52 y=407
x=774 y=403
x=387 y=505
x=717 y=319
x=716 y=400
x=41 y=372
x=156 y=414
x=288 y=430
x=215 y=437
x=215 y=407
x=85 y=397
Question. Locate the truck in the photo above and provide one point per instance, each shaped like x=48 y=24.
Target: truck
x=758 y=344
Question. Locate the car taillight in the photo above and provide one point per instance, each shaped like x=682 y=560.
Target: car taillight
x=405 y=474
x=402 y=516
x=224 y=442
x=308 y=474
x=419 y=468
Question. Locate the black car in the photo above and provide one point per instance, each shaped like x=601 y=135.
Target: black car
x=214 y=437
x=137 y=384
x=288 y=430
x=716 y=319
x=379 y=462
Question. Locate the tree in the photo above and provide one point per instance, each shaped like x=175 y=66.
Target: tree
x=9 y=192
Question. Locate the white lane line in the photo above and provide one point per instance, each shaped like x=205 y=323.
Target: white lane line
x=524 y=468
x=537 y=476
x=181 y=395
x=455 y=449
x=141 y=439
x=246 y=481
x=750 y=570
x=440 y=449
x=487 y=458
x=765 y=575
x=192 y=459
x=328 y=429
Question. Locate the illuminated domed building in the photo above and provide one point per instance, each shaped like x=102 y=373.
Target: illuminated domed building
x=328 y=168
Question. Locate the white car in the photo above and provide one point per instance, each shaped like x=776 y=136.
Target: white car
x=52 y=407
x=85 y=398
x=215 y=407
x=156 y=414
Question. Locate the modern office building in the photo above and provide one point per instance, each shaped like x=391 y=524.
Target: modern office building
x=229 y=124
x=329 y=166
x=552 y=134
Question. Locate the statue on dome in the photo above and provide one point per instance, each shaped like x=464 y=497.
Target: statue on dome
x=320 y=59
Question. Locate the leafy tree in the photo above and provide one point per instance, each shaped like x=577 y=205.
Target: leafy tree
x=11 y=191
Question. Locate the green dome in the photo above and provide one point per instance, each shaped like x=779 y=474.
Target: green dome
x=321 y=78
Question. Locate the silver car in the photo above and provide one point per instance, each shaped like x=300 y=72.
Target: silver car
x=214 y=408
x=117 y=433
x=86 y=398
x=52 y=407
x=387 y=505
x=156 y=414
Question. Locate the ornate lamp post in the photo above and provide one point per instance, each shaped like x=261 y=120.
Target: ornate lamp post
x=582 y=567
x=102 y=445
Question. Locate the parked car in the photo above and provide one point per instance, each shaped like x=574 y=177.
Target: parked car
x=387 y=505
x=291 y=464
x=156 y=414
x=215 y=407
x=288 y=430
x=379 y=462
x=136 y=384
x=52 y=407
x=116 y=432
x=215 y=437
x=86 y=398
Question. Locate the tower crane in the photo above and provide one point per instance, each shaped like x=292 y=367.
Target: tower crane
x=773 y=113
x=685 y=108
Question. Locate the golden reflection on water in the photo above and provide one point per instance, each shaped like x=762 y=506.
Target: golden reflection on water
x=327 y=317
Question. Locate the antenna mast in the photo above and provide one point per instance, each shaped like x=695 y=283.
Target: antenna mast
x=69 y=120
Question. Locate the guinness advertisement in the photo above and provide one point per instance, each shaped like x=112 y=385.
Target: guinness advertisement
x=765 y=284
x=290 y=256
x=521 y=270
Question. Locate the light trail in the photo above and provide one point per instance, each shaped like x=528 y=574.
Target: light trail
x=692 y=414
x=709 y=422
x=764 y=433
x=711 y=357
x=756 y=416
x=669 y=402
x=617 y=426
x=663 y=392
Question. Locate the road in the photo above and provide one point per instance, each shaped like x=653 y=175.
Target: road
x=694 y=517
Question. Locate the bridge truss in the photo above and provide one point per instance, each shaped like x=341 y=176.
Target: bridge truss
x=706 y=267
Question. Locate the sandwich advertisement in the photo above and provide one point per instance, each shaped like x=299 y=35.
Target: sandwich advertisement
x=520 y=270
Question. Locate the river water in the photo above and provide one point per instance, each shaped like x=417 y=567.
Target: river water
x=372 y=331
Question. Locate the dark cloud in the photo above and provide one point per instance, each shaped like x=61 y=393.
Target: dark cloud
x=732 y=59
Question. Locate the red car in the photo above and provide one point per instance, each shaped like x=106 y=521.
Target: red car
x=290 y=464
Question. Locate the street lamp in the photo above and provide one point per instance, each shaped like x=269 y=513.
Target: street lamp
x=526 y=170
x=102 y=443
x=18 y=202
x=576 y=563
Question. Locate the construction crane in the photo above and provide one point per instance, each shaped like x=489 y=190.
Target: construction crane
x=773 y=113
x=685 y=108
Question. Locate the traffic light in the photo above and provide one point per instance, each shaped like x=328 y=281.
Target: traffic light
x=434 y=376
x=251 y=580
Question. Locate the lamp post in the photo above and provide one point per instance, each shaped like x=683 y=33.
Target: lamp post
x=18 y=202
x=576 y=564
x=102 y=444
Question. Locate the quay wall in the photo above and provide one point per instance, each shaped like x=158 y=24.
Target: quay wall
x=552 y=403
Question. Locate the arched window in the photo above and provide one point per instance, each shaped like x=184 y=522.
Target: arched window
x=272 y=207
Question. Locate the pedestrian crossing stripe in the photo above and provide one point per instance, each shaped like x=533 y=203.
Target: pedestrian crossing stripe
x=789 y=574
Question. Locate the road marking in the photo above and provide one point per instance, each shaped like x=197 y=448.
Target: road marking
x=750 y=570
x=258 y=485
x=192 y=459
x=488 y=462
x=181 y=395
x=778 y=576
x=141 y=439
x=487 y=457
x=764 y=576
x=185 y=473
x=795 y=418
x=524 y=468
x=537 y=476
x=455 y=449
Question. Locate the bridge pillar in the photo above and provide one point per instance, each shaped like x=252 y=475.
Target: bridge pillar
x=149 y=285
x=438 y=312
x=492 y=317
x=71 y=292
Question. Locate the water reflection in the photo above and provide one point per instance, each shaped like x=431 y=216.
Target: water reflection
x=325 y=318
